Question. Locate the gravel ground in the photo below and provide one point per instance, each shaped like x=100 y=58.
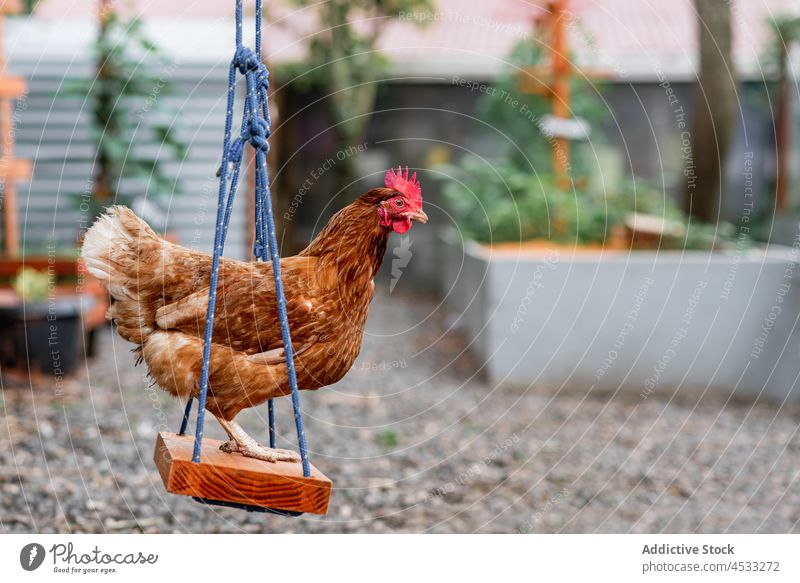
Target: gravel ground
x=414 y=441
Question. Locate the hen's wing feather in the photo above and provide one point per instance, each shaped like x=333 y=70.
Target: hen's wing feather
x=278 y=355
x=187 y=309
x=246 y=317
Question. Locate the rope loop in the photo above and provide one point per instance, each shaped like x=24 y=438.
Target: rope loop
x=257 y=132
x=235 y=151
x=248 y=62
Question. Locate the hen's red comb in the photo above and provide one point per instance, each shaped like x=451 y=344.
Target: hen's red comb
x=400 y=182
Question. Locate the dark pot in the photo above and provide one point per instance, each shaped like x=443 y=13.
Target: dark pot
x=42 y=337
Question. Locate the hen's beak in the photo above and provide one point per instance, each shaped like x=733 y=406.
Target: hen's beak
x=418 y=215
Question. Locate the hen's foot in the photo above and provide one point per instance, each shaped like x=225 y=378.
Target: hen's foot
x=260 y=452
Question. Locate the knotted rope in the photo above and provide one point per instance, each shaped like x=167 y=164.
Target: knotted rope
x=255 y=130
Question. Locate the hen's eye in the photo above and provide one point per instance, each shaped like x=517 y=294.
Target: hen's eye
x=399 y=202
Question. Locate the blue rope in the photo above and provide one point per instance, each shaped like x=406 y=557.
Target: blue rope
x=186 y=412
x=271 y=415
x=255 y=130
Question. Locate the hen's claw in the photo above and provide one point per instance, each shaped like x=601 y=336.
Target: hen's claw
x=260 y=452
x=242 y=443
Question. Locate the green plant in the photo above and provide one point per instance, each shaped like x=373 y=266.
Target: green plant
x=503 y=202
x=31 y=284
x=516 y=114
x=125 y=103
x=344 y=64
x=514 y=196
x=28 y=6
x=387 y=438
x=784 y=32
x=500 y=202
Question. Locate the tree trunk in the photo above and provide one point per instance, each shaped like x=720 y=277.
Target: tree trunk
x=282 y=187
x=351 y=89
x=715 y=106
x=782 y=140
x=103 y=106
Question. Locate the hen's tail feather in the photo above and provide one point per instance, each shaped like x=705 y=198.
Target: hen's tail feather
x=111 y=251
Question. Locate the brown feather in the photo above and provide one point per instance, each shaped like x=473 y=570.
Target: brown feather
x=160 y=293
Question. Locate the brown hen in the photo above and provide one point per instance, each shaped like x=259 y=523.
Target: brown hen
x=160 y=296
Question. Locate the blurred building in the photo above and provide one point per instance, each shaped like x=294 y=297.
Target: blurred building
x=422 y=114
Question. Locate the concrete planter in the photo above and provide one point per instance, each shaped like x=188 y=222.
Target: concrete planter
x=643 y=322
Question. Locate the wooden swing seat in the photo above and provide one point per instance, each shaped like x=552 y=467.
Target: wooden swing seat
x=234 y=480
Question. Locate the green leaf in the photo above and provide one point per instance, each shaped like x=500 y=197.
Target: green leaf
x=122 y=83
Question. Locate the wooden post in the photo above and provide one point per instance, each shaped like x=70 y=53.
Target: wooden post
x=560 y=96
x=11 y=169
x=553 y=81
x=782 y=145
